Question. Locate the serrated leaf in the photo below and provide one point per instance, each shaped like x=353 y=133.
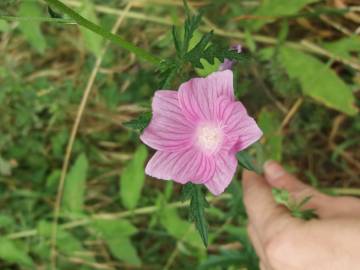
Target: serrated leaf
x=281 y=196
x=74 y=190
x=139 y=123
x=93 y=42
x=190 y=25
x=211 y=52
x=10 y=252
x=132 y=178
x=318 y=80
x=197 y=206
x=247 y=161
x=31 y=29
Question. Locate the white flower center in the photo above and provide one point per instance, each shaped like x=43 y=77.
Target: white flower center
x=209 y=137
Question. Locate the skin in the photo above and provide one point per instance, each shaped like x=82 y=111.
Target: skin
x=281 y=241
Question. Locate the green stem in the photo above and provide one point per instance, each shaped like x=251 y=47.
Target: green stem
x=104 y=33
x=112 y=216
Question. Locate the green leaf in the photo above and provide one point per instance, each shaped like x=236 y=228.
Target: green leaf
x=277 y=8
x=6 y=221
x=247 y=161
x=197 y=207
x=74 y=190
x=4 y=26
x=123 y=249
x=10 y=252
x=93 y=42
x=344 y=47
x=139 y=123
x=5 y=167
x=132 y=178
x=190 y=26
x=281 y=196
x=116 y=234
x=66 y=242
x=318 y=80
x=111 y=228
x=205 y=50
x=31 y=29
x=180 y=229
x=269 y=123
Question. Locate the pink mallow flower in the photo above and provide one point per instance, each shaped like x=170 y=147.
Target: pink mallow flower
x=197 y=132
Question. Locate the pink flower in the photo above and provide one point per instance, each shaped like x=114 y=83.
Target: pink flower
x=197 y=131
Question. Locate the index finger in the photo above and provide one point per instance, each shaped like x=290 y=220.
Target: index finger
x=265 y=215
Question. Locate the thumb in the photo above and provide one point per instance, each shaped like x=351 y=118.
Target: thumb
x=278 y=177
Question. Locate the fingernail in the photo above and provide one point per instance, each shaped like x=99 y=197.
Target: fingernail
x=273 y=170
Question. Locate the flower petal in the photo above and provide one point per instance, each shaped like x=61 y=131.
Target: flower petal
x=197 y=96
x=182 y=167
x=250 y=134
x=168 y=130
x=241 y=130
x=224 y=172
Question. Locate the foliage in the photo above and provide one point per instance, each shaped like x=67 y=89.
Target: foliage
x=132 y=178
x=283 y=197
x=198 y=203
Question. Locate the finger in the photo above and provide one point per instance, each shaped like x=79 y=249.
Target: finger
x=264 y=214
x=278 y=177
x=325 y=206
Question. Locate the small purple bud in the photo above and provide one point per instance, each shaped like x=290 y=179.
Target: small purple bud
x=228 y=64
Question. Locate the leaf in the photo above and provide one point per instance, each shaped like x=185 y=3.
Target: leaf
x=190 y=25
x=344 y=47
x=111 y=228
x=205 y=50
x=281 y=196
x=269 y=123
x=6 y=221
x=197 y=207
x=93 y=42
x=132 y=178
x=4 y=26
x=178 y=228
x=116 y=234
x=247 y=161
x=66 y=242
x=31 y=29
x=74 y=190
x=123 y=249
x=318 y=80
x=10 y=252
x=5 y=167
x=276 y=8
x=139 y=123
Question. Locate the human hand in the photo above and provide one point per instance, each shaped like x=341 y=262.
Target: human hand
x=283 y=242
